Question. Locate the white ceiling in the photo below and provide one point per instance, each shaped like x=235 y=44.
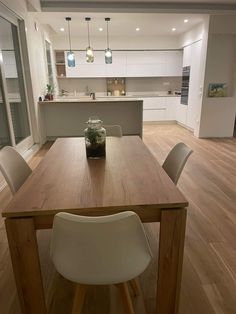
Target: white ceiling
x=121 y=24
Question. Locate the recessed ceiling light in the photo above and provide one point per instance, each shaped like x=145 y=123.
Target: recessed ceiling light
x=186 y=21
x=100 y=29
x=173 y=29
x=137 y=29
x=62 y=29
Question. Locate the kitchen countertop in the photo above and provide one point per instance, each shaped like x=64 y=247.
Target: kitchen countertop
x=107 y=98
x=88 y=99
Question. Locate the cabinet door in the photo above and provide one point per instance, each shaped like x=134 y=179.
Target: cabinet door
x=171 y=106
x=154 y=63
x=154 y=115
x=118 y=66
x=173 y=63
x=145 y=63
x=154 y=103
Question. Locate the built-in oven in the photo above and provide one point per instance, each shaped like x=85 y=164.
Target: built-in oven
x=185 y=85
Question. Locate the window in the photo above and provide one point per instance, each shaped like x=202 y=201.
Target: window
x=14 y=120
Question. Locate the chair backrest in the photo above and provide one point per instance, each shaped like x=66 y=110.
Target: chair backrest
x=99 y=250
x=113 y=130
x=14 y=168
x=175 y=161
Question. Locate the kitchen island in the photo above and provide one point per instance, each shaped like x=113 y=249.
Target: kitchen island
x=68 y=117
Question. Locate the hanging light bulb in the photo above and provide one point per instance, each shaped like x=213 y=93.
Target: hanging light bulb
x=108 y=52
x=89 y=49
x=70 y=54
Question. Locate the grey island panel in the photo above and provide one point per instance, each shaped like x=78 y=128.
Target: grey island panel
x=63 y=119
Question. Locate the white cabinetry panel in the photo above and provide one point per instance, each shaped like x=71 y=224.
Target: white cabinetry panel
x=160 y=108
x=127 y=64
x=154 y=115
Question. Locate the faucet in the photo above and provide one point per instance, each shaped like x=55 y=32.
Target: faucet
x=63 y=92
x=92 y=95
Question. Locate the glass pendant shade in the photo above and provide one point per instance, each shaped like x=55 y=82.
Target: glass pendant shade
x=89 y=55
x=89 y=49
x=70 y=54
x=108 y=56
x=108 y=52
x=71 y=59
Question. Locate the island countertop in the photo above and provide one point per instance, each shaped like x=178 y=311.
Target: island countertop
x=87 y=99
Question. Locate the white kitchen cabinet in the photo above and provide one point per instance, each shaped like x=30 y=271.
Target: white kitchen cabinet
x=127 y=64
x=118 y=66
x=154 y=103
x=9 y=63
x=160 y=108
x=154 y=109
x=154 y=63
x=98 y=68
x=154 y=115
x=171 y=105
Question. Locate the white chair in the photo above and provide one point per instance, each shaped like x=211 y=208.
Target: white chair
x=113 y=130
x=14 y=168
x=99 y=251
x=176 y=160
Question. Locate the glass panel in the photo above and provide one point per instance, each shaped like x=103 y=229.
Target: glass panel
x=4 y=129
x=14 y=79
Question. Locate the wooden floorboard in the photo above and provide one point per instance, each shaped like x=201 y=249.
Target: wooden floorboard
x=209 y=271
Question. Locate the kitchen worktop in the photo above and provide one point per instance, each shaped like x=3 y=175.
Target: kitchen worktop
x=99 y=98
x=89 y=100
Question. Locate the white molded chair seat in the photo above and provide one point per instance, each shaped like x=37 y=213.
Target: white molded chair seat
x=100 y=250
x=176 y=160
x=14 y=168
x=113 y=130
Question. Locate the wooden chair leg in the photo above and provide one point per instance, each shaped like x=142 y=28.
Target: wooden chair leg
x=134 y=286
x=79 y=298
x=126 y=299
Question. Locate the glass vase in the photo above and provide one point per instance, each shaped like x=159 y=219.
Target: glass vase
x=95 y=138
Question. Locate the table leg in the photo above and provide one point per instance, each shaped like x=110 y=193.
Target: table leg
x=171 y=249
x=23 y=246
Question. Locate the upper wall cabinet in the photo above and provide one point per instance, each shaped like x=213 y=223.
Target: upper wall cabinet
x=154 y=63
x=128 y=64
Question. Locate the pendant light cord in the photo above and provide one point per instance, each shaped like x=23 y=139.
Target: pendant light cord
x=69 y=34
x=107 y=36
x=88 y=34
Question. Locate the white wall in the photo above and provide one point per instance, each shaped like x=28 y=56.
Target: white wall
x=122 y=43
x=37 y=57
x=218 y=114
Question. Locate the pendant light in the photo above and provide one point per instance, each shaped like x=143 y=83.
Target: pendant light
x=70 y=54
x=108 y=52
x=89 y=49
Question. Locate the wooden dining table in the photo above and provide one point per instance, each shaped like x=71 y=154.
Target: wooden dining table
x=128 y=178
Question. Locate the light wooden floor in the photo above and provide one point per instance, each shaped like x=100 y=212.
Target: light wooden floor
x=209 y=271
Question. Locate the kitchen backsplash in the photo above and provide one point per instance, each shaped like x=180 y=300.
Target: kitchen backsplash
x=99 y=85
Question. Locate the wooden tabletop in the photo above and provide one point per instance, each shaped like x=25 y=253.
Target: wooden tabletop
x=129 y=177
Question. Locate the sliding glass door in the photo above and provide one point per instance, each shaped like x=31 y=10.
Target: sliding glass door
x=5 y=138
x=14 y=119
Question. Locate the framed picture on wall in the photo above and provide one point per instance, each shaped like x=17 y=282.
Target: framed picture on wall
x=217 y=90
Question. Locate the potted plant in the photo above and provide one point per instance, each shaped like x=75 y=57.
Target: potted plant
x=49 y=92
x=95 y=139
